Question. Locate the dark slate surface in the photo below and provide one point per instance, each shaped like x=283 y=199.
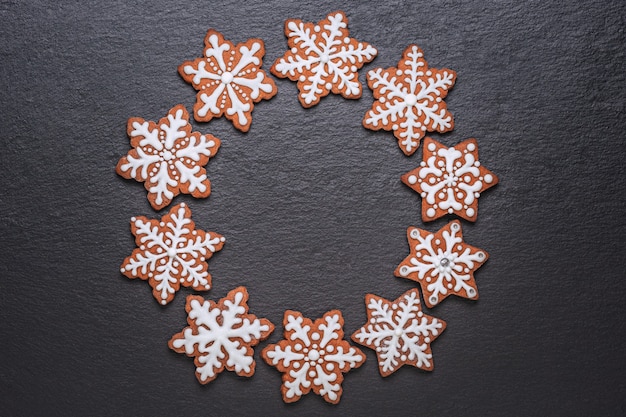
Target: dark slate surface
x=313 y=209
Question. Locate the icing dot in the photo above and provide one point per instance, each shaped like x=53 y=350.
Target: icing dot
x=296 y=365
x=317 y=28
x=315 y=336
x=314 y=355
x=399 y=72
x=471 y=292
x=412 y=179
x=346 y=40
x=450 y=210
x=403 y=358
x=167 y=155
x=398 y=332
x=395 y=127
x=330 y=366
x=163 y=302
x=404 y=270
x=471 y=147
x=470 y=212
x=431 y=147
x=298 y=346
x=488 y=178
x=329 y=86
x=480 y=255
x=420 y=314
x=227 y=77
x=353 y=68
x=430 y=212
x=410 y=99
x=427 y=339
x=437 y=241
x=379 y=349
x=122 y=269
x=171 y=252
x=329 y=348
x=434 y=299
x=449 y=286
x=294 y=50
x=312 y=374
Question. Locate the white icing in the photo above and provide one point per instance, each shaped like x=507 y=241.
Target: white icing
x=443 y=262
x=168 y=157
x=316 y=365
x=399 y=334
x=330 y=56
x=221 y=335
x=176 y=251
x=221 y=76
x=407 y=101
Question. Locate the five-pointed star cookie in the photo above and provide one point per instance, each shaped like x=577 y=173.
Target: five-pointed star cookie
x=221 y=335
x=450 y=180
x=399 y=332
x=313 y=356
x=323 y=58
x=168 y=157
x=409 y=99
x=229 y=80
x=442 y=263
x=171 y=253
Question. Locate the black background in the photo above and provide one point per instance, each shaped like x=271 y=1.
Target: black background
x=312 y=207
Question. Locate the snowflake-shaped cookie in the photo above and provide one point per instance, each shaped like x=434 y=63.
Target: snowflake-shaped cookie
x=313 y=355
x=409 y=99
x=450 y=180
x=229 y=80
x=323 y=58
x=171 y=253
x=221 y=335
x=442 y=263
x=399 y=332
x=168 y=158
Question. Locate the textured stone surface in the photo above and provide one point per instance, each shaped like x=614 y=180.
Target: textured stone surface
x=312 y=208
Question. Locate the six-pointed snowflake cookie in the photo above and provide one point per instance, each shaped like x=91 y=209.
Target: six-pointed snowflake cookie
x=221 y=335
x=323 y=58
x=313 y=356
x=442 y=263
x=409 y=99
x=399 y=332
x=168 y=157
x=229 y=80
x=450 y=180
x=171 y=253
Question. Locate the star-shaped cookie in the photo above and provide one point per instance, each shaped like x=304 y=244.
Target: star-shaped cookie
x=399 y=332
x=450 y=180
x=442 y=263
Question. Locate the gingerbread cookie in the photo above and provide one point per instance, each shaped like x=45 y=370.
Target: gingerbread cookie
x=399 y=332
x=323 y=58
x=409 y=99
x=171 y=253
x=168 y=157
x=313 y=356
x=221 y=335
x=229 y=80
x=442 y=263
x=450 y=180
